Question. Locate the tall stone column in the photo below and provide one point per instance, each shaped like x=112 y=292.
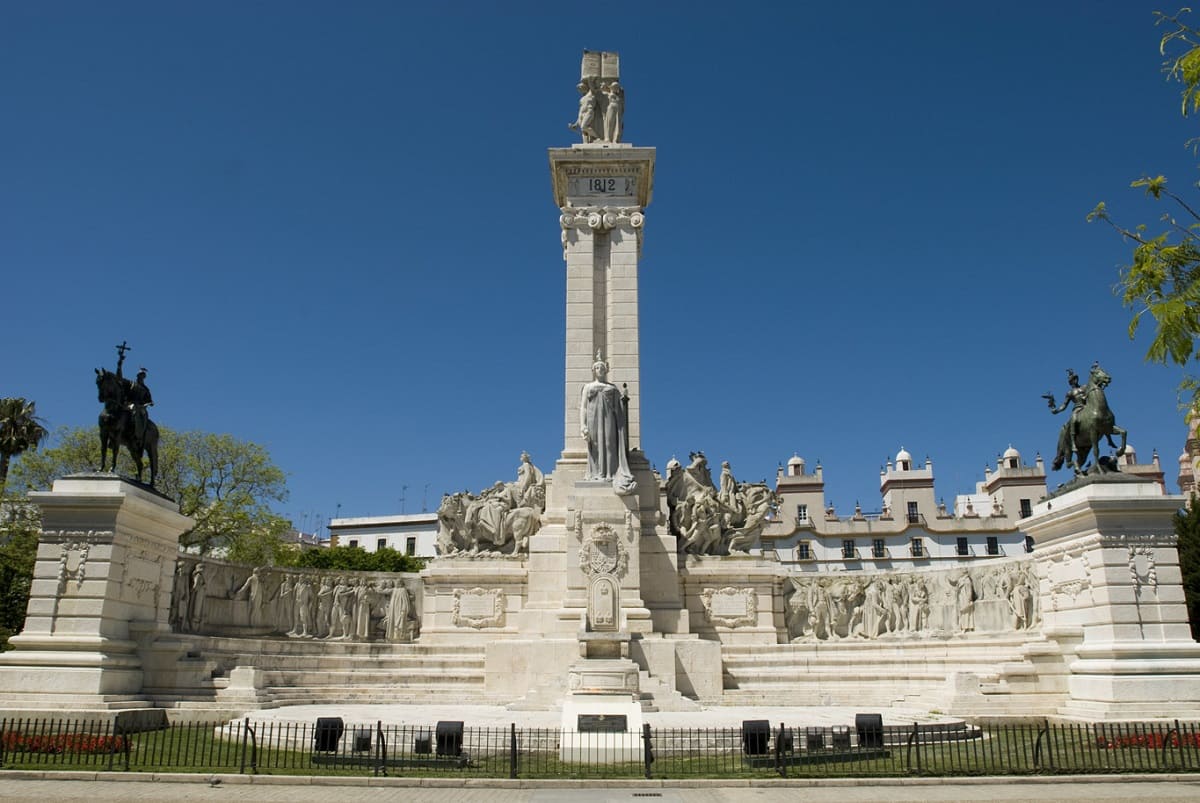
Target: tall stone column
x=601 y=191
x=101 y=589
x=1111 y=595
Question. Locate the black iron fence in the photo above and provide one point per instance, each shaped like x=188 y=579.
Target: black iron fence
x=331 y=746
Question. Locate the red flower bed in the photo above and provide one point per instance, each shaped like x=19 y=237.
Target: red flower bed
x=1148 y=741
x=78 y=743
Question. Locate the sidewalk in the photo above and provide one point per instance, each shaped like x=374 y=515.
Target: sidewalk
x=87 y=787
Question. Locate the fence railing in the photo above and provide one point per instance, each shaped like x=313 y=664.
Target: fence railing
x=331 y=746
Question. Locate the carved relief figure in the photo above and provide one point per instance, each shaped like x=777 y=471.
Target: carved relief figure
x=324 y=608
x=285 y=606
x=604 y=425
x=965 y=597
x=362 y=610
x=399 y=620
x=303 y=597
x=252 y=590
x=181 y=598
x=196 y=599
x=340 y=616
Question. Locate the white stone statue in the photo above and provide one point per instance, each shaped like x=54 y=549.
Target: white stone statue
x=343 y=610
x=614 y=111
x=585 y=121
x=604 y=424
x=181 y=598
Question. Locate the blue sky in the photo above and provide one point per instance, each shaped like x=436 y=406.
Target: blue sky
x=328 y=228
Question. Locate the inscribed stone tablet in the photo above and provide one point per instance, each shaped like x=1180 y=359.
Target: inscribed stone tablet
x=602 y=723
x=610 y=65
x=591 y=64
x=729 y=606
x=477 y=606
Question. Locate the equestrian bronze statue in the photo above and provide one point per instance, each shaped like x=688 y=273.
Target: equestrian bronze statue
x=125 y=421
x=1090 y=421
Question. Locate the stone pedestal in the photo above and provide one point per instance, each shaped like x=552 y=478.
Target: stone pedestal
x=101 y=589
x=602 y=713
x=736 y=599
x=472 y=599
x=1111 y=594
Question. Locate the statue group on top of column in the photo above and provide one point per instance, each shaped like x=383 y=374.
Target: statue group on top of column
x=604 y=425
x=125 y=421
x=499 y=521
x=215 y=597
x=601 y=110
x=1090 y=421
x=999 y=598
x=716 y=520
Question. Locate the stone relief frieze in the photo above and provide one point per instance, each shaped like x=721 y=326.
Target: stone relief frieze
x=937 y=604
x=478 y=607
x=730 y=607
x=90 y=537
x=219 y=598
x=1136 y=575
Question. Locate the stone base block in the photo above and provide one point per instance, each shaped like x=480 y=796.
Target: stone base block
x=600 y=746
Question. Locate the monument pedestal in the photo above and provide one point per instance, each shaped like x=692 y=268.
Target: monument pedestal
x=602 y=713
x=101 y=590
x=1110 y=591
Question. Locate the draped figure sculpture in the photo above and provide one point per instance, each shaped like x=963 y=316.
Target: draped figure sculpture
x=604 y=424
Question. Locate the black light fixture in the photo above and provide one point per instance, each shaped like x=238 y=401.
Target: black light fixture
x=328 y=733
x=756 y=733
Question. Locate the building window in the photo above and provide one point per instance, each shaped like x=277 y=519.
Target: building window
x=993 y=545
x=878 y=550
x=917 y=547
x=352 y=542
x=1029 y=543
x=410 y=546
x=381 y=543
x=802 y=514
x=803 y=551
x=913 y=516
x=960 y=546
x=1026 y=509
x=848 y=550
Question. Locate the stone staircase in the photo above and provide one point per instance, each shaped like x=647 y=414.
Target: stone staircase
x=997 y=675
x=219 y=674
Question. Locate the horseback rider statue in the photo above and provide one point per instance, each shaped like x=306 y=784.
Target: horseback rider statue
x=1090 y=421
x=125 y=420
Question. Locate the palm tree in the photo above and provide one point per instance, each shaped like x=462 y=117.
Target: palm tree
x=20 y=430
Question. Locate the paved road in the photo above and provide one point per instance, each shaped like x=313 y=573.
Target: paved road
x=14 y=787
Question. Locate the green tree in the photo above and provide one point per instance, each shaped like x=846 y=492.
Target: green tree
x=1187 y=527
x=1162 y=281
x=225 y=484
x=20 y=431
x=353 y=559
x=19 y=530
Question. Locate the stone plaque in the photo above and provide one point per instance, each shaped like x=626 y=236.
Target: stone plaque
x=603 y=603
x=479 y=607
x=602 y=723
x=730 y=607
x=602 y=187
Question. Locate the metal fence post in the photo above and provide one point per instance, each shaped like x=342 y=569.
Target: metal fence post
x=3 y=733
x=1037 y=745
x=647 y=749
x=512 y=750
x=380 y=749
x=780 y=764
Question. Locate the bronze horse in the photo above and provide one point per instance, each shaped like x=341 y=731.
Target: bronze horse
x=1094 y=422
x=117 y=427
